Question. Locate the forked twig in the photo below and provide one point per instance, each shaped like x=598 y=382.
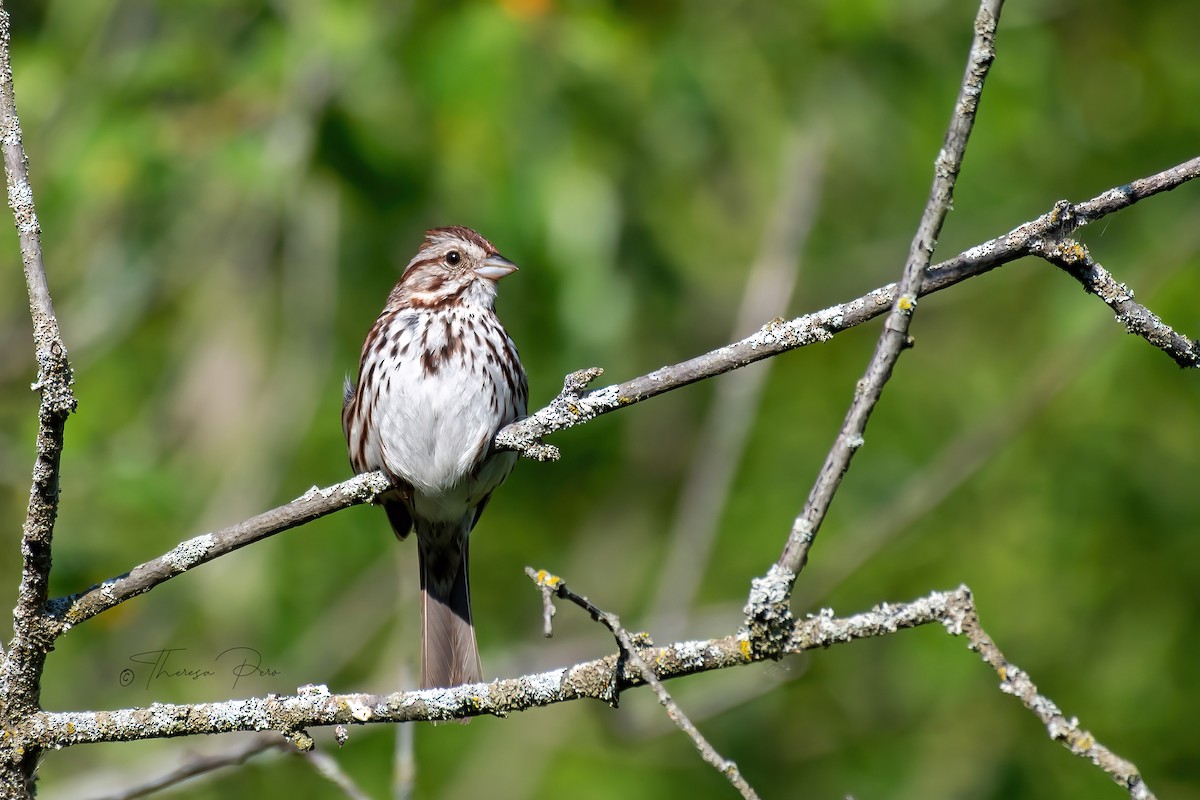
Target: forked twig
x=553 y=585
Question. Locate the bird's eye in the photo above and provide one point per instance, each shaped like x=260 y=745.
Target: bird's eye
x=453 y=257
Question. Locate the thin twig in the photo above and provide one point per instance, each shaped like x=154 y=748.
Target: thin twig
x=544 y=581
x=553 y=586
x=963 y=618
x=552 y=583
x=1074 y=259
x=202 y=765
x=894 y=337
x=199 y=766
x=329 y=769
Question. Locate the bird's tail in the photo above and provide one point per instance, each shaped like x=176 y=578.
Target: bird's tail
x=449 y=655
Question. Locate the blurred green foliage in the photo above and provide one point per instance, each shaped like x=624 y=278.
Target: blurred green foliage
x=228 y=189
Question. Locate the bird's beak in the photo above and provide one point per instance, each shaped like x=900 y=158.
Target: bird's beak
x=495 y=267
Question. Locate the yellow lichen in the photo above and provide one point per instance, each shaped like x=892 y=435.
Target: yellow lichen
x=1072 y=251
x=774 y=323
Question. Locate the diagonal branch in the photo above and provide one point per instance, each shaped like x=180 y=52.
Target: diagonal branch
x=1074 y=259
x=201 y=765
x=964 y=619
x=22 y=668
x=574 y=406
x=314 y=504
x=894 y=337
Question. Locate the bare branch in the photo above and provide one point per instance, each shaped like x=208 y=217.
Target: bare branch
x=629 y=651
x=314 y=504
x=894 y=337
x=329 y=769
x=28 y=730
x=574 y=407
x=202 y=765
x=1074 y=259
x=21 y=672
x=1121 y=197
x=964 y=619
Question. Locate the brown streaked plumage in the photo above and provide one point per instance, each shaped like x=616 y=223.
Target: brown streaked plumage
x=438 y=378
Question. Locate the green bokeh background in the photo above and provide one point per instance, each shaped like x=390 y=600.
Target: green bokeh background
x=228 y=189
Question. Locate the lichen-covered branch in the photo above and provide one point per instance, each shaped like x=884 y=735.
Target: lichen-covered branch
x=962 y=618
x=575 y=406
x=316 y=503
x=315 y=706
x=25 y=658
x=1074 y=259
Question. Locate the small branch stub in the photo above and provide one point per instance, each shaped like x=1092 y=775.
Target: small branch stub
x=547 y=583
x=567 y=410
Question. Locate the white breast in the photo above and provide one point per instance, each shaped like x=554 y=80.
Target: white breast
x=435 y=412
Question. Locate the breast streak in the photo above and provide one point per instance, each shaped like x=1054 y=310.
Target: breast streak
x=437 y=422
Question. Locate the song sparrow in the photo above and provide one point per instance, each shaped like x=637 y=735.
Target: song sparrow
x=439 y=376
